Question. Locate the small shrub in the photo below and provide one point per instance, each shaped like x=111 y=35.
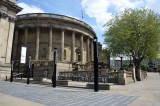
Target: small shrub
x=125 y=66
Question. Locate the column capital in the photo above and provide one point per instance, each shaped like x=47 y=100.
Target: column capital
x=12 y=19
x=91 y=39
x=50 y=26
x=16 y=28
x=38 y=25
x=88 y=37
x=3 y=15
x=62 y=29
x=73 y=31
x=26 y=27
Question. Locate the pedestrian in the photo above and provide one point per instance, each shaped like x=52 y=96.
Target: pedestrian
x=159 y=71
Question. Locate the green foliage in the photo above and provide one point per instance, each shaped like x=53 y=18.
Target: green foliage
x=106 y=53
x=135 y=31
x=125 y=66
x=143 y=66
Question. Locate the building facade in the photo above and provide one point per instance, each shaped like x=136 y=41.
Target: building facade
x=42 y=32
x=8 y=11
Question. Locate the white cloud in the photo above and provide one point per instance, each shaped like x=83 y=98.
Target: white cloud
x=99 y=9
x=104 y=46
x=29 y=9
x=153 y=4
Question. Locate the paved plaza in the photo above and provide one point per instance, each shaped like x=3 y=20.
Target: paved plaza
x=144 y=93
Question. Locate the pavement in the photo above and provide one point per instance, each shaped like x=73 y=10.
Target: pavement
x=143 y=93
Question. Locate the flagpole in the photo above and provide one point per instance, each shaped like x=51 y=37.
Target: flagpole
x=82 y=12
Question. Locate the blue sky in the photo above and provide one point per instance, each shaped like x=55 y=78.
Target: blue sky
x=95 y=12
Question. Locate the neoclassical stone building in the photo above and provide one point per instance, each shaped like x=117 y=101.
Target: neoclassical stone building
x=8 y=11
x=42 y=32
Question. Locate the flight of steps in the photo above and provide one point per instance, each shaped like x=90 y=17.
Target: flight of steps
x=5 y=70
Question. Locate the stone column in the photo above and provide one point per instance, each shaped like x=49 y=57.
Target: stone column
x=62 y=45
x=50 y=44
x=26 y=36
x=81 y=48
x=15 y=43
x=73 y=45
x=92 y=57
x=9 y=43
x=37 y=44
x=87 y=49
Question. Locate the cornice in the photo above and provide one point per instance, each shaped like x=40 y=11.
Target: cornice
x=6 y=16
x=10 y=5
x=53 y=17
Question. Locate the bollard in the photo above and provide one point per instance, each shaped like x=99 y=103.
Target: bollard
x=11 y=79
x=29 y=68
x=6 y=78
x=32 y=69
x=54 y=71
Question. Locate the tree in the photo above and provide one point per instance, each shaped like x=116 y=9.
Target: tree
x=105 y=57
x=135 y=31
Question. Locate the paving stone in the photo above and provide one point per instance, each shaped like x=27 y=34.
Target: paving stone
x=62 y=96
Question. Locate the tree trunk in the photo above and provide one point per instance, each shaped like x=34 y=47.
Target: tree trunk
x=138 y=73
x=137 y=64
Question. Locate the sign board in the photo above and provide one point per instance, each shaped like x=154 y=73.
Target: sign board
x=23 y=54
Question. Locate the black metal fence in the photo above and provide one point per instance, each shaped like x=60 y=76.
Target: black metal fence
x=38 y=70
x=88 y=76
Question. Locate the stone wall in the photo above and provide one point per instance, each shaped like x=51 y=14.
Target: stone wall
x=8 y=10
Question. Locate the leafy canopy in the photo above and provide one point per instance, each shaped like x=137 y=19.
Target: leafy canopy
x=135 y=31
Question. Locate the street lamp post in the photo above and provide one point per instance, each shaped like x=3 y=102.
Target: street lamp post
x=130 y=54
x=95 y=65
x=121 y=62
x=55 y=66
